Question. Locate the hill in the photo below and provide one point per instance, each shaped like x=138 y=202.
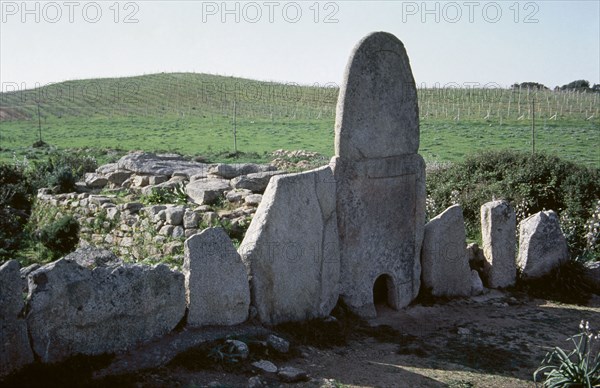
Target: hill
x=195 y=114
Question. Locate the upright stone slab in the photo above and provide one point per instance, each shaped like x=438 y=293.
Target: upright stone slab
x=498 y=235
x=446 y=270
x=542 y=245
x=15 y=350
x=291 y=248
x=380 y=177
x=216 y=281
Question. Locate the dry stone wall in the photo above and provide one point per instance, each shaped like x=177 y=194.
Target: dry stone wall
x=111 y=215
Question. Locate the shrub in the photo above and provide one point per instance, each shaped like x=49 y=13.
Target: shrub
x=15 y=208
x=60 y=169
x=165 y=195
x=578 y=368
x=63 y=179
x=567 y=283
x=61 y=236
x=530 y=182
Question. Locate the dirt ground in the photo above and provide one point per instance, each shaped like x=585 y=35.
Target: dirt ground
x=494 y=340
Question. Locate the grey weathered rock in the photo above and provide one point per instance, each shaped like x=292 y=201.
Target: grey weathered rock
x=107 y=168
x=148 y=163
x=132 y=207
x=206 y=191
x=152 y=211
x=210 y=218
x=173 y=248
x=377 y=112
x=444 y=259
x=278 y=344
x=92 y=257
x=75 y=310
x=294 y=260
x=379 y=175
x=99 y=200
x=140 y=181
x=25 y=272
x=15 y=351
x=230 y=171
x=190 y=232
x=498 y=235
x=161 y=215
x=174 y=215
x=154 y=180
x=256 y=382
x=191 y=219
x=216 y=281
x=95 y=181
x=117 y=177
x=289 y=374
x=476 y=257
x=253 y=199
x=240 y=348
x=542 y=245
x=166 y=230
x=265 y=366
x=127 y=183
x=168 y=185
x=112 y=213
x=257 y=182
x=237 y=195
x=476 y=283
x=178 y=232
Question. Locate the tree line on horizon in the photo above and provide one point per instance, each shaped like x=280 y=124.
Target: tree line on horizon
x=578 y=85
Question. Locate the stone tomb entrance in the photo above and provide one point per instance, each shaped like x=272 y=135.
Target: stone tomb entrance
x=358 y=222
x=384 y=291
x=380 y=178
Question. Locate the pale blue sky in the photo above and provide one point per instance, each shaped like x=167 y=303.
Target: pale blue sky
x=501 y=42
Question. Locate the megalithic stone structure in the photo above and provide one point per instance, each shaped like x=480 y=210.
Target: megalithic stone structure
x=380 y=177
x=340 y=229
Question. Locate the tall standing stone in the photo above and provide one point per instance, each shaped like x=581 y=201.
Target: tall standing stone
x=291 y=248
x=446 y=270
x=542 y=245
x=498 y=235
x=215 y=279
x=15 y=350
x=380 y=177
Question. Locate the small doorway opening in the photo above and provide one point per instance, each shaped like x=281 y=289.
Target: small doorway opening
x=383 y=291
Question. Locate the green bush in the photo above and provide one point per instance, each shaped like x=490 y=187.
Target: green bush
x=60 y=169
x=15 y=208
x=63 y=179
x=165 y=195
x=530 y=182
x=60 y=237
x=579 y=368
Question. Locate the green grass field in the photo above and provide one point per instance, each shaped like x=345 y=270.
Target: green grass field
x=193 y=114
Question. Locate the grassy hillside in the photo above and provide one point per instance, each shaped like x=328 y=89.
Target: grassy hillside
x=193 y=114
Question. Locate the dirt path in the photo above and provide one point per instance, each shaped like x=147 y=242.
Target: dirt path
x=496 y=340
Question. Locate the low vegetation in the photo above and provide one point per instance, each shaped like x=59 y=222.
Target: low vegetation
x=580 y=367
x=19 y=182
x=531 y=183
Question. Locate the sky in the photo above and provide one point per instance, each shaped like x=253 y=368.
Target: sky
x=449 y=43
